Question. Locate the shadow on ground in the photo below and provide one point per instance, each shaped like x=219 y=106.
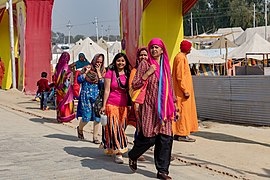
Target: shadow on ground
x=226 y=138
x=66 y=137
x=44 y=120
x=95 y=159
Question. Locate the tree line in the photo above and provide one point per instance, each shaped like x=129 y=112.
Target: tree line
x=61 y=38
x=209 y=15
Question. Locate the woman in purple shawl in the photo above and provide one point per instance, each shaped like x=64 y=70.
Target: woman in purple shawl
x=64 y=90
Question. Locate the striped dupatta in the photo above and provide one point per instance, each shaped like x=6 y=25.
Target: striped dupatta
x=165 y=104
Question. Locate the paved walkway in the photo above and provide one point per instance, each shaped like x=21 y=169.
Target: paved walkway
x=222 y=151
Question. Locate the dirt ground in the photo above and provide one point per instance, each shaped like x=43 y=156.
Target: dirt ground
x=235 y=151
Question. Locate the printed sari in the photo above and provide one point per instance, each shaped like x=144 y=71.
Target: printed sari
x=64 y=90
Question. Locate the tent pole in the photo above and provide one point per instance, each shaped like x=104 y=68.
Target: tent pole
x=11 y=34
x=226 y=56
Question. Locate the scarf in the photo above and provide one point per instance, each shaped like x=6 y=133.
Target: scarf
x=138 y=55
x=62 y=68
x=165 y=104
x=92 y=75
x=81 y=64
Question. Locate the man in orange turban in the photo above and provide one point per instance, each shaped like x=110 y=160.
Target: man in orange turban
x=182 y=81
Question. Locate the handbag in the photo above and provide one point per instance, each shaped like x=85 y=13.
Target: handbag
x=138 y=96
x=99 y=102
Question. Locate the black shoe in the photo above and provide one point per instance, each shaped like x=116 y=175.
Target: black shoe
x=132 y=165
x=163 y=176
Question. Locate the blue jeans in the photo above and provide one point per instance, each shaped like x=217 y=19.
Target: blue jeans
x=44 y=100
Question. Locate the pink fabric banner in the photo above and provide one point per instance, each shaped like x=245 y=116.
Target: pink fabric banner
x=37 y=42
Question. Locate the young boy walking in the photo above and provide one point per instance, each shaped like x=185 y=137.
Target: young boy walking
x=43 y=88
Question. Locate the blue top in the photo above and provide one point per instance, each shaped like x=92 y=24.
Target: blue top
x=81 y=64
x=88 y=95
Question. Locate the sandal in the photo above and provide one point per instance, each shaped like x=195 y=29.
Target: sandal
x=80 y=133
x=118 y=159
x=132 y=165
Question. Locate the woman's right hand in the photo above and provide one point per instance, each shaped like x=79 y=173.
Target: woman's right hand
x=102 y=110
x=152 y=69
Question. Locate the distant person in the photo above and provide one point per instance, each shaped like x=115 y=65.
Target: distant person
x=91 y=81
x=51 y=97
x=80 y=63
x=76 y=67
x=2 y=71
x=115 y=105
x=43 y=89
x=64 y=90
x=158 y=110
x=183 y=86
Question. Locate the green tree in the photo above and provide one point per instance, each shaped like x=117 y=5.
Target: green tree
x=209 y=15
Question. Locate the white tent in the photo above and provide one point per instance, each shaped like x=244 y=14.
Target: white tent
x=256 y=44
x=230 y=33
x=115 y=48
x=90 y=49
x=196 y=57
x=56 y=53
x=102 y=43
x=249 y=32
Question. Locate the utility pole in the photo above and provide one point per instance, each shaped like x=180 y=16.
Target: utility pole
x=191 y=24
x=197 y=31
x=11 y=34
x=108 y=31
x=69 y=26
x=254 y=15
x=96 y=22
x=102 y=28
x=265 y=17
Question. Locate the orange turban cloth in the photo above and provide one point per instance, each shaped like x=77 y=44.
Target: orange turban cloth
x=185 y=46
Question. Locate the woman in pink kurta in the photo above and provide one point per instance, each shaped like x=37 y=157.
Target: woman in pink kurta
x=115 y=105
x=158 y=110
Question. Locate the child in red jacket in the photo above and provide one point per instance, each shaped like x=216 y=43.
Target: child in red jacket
x=43 y=89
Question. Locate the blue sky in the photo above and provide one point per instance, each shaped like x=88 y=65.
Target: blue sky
x=81 y=14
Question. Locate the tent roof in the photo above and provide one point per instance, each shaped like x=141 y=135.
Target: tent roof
x=249 y=32
x=254 y=45
x=196 y=57
x=220 y=43
x=115 y=48
x=102 y=43
x=89 y=48
x=231 y=33
x=56 y=50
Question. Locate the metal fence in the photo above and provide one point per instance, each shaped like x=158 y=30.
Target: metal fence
x=238 y=99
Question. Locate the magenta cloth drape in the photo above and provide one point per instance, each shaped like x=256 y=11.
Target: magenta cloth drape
x=37 y=41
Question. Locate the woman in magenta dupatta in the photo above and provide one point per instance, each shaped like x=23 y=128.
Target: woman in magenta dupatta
x=64 y=90
x=158 y=110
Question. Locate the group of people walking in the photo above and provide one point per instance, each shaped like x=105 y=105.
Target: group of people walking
x=164 y=109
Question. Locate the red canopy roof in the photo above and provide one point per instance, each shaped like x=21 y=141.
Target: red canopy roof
x=187 y=4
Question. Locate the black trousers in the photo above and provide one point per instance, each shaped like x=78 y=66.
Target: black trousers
x=162 y=154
